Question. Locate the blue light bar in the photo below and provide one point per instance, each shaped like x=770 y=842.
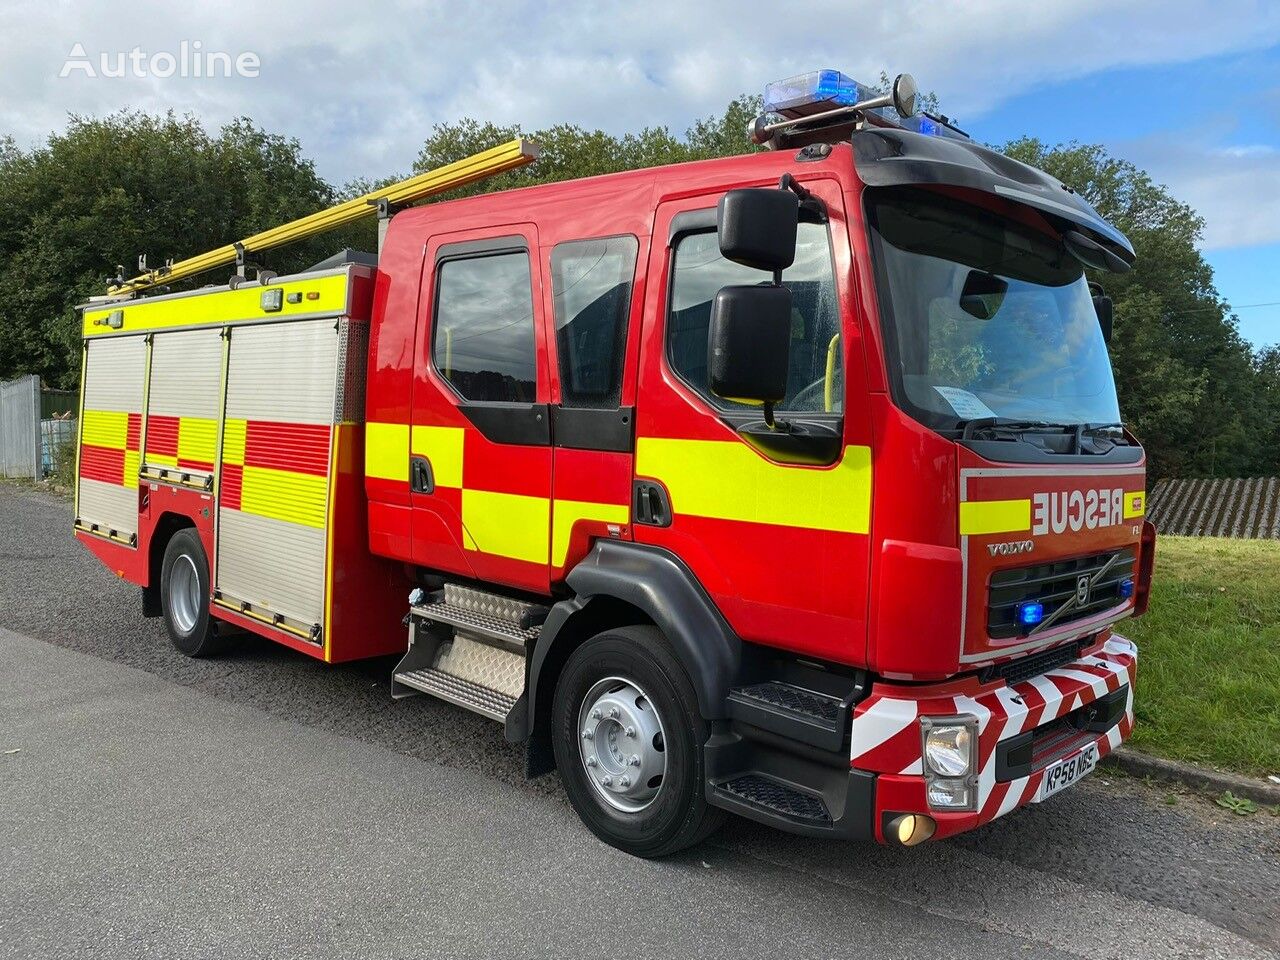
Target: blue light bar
x=814 y=92
x=1125 y=589
x=1029 y=613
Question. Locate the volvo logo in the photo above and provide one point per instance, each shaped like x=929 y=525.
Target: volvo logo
x=1010 y=548
x=1082 y=590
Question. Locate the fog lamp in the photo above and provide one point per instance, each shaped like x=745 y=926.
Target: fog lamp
x=909 y=829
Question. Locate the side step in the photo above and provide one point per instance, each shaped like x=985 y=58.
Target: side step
x=795 y=712
x=468 y=647
x=762 y=792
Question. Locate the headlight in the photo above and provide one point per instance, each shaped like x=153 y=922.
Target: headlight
x=948 y=749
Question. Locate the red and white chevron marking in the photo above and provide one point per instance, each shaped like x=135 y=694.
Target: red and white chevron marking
x=886 y=731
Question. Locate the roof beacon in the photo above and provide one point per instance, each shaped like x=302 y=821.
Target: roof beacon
x=828 y=100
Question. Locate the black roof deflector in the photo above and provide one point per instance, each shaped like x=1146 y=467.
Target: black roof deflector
x=886 y=156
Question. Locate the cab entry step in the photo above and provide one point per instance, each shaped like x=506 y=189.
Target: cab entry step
x=796 y=712
x=468 y=647
x=764 y=792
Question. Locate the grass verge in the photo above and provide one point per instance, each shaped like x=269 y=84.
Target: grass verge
x=1208 y=686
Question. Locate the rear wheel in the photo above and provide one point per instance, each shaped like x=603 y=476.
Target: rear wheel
x=628 y=741
x=184 y=596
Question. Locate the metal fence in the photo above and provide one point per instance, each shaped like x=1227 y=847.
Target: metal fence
x=20 y=428
x=1217 y=508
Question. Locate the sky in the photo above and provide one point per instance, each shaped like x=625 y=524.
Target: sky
x=1189 y=91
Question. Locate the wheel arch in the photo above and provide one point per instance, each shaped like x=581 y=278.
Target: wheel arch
x=166 y=526
x=619 y=584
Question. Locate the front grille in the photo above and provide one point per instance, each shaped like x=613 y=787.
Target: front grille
x=1024 y=668
x=1054 y=584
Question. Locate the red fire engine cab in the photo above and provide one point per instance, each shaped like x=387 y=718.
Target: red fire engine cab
x=791 y=485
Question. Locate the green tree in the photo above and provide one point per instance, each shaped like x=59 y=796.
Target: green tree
x=108 y=189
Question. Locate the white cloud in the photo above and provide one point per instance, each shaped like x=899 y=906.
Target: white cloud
x=361 y=85
x=1235 y=188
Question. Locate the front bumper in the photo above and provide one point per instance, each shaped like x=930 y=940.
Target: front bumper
x=886 y=733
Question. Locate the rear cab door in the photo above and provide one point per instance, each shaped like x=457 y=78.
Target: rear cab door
x=480 y=431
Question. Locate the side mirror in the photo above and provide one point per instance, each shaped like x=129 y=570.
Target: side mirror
x=748 y=342
x=757 y=228
x=1104 y=306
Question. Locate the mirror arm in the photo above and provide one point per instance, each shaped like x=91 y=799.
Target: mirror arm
x=808 y=202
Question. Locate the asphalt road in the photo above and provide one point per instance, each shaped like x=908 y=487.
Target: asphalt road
x=267 y=805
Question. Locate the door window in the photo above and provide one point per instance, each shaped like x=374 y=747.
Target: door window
x=484 y=337
x=814 y=380
x=591 y=281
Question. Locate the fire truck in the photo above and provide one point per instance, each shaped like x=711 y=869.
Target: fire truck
x=789 y=485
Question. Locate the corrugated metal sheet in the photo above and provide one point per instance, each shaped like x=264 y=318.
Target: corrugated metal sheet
x=20 y=428
x=1217 y=507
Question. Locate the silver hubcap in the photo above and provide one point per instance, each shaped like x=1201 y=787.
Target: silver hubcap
x=622 y=744
x=184 y=594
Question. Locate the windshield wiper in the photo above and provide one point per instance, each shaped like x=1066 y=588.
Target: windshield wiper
x=970 y=427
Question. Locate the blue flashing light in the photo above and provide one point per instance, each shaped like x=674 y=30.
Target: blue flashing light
x=1126 y=588
x=1029 y=613
x=813 y=93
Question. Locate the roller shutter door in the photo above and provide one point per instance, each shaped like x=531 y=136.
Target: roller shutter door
x=273 y=488
x=110 y=434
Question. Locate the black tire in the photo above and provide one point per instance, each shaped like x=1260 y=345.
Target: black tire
x=678 y=816
x=188 y=622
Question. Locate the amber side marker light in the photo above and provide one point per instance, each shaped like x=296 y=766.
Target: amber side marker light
x=908 y=829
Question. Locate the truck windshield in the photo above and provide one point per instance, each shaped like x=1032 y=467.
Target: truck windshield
x=985 y=317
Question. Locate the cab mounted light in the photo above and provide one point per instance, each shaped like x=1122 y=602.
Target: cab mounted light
x=829 y=95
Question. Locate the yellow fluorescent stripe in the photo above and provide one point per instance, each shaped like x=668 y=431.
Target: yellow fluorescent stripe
x=161 y=459
x=197 y=439
x=284 y=495
x=994 y=516
x=221 y=306
x=386 y=451
x=506 y=524
x=442 y=446
x=565 y=513
x=233 y=434
x=131 y=468
x=105 y=428
x=1135 y=504
x=728 y=480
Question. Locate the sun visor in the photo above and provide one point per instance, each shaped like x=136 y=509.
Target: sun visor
x=887 y=157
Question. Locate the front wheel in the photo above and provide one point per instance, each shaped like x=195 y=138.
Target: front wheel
x=184 y=596
x=628 y=742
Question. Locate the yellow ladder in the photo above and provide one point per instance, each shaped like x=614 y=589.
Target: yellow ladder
x=507 y=156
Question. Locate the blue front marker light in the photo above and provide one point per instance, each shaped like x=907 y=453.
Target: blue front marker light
x=1029 y=613
x=1125 y=589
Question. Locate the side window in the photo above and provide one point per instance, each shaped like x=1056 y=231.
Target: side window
x=591 y=282
x=484 y=339
x=814 y=381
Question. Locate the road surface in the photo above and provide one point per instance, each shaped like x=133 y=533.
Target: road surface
x=266 y=805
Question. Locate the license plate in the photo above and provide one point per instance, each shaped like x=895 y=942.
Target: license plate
x=1067 y=771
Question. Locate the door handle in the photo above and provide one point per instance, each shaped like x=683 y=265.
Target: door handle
x=420 y=478
x=652 y=507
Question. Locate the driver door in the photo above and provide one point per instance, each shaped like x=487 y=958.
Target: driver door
x=782 y=547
